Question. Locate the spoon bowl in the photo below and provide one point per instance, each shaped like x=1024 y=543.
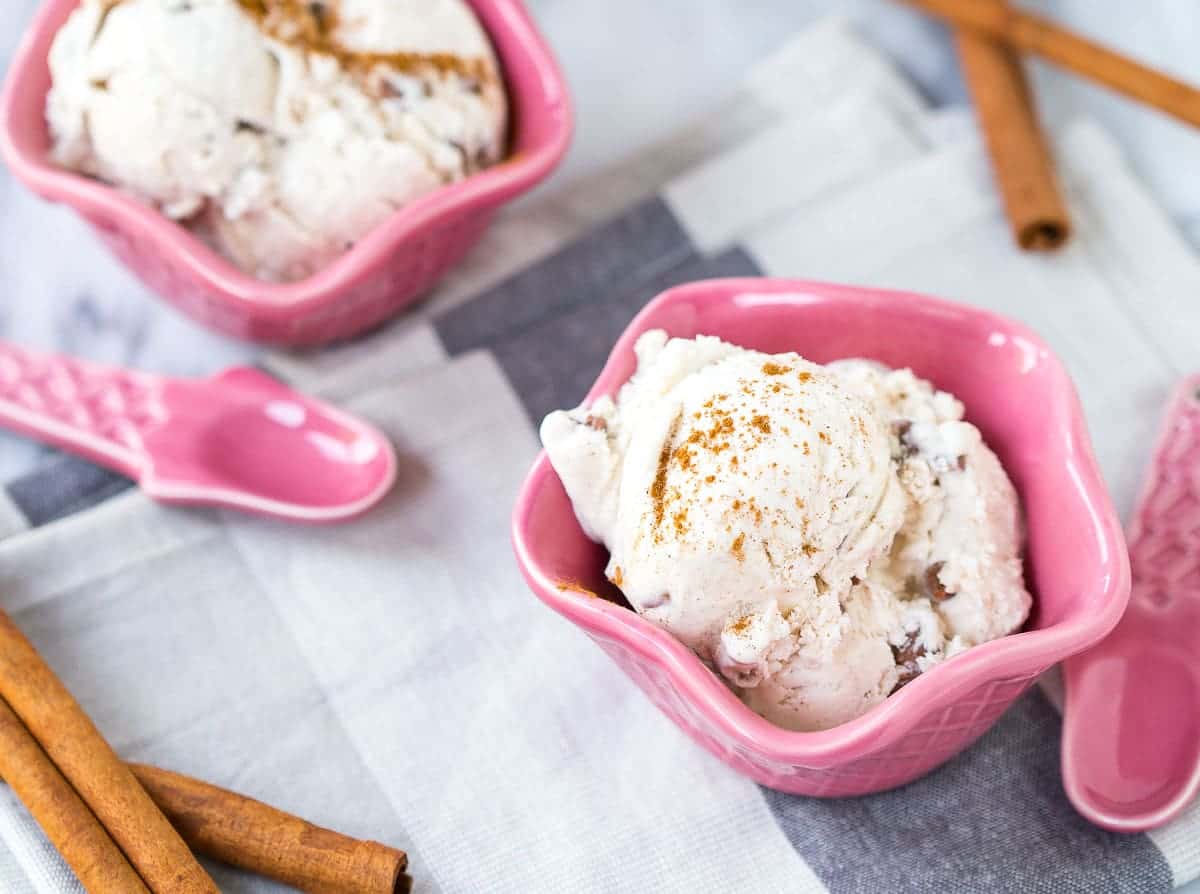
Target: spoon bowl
x=1135 y=750
x=1131 y=730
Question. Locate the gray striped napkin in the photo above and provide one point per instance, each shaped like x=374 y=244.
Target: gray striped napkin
x=393 y=678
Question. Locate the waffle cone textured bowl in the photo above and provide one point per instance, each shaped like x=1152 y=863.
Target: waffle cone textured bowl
x=385 y=271
x=1020 y=397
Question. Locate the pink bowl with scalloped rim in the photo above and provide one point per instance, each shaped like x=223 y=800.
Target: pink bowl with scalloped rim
x=1020 y=397
x=384 y=272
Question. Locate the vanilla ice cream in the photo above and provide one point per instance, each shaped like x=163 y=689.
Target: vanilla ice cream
x=282 y=131
x=818 y=534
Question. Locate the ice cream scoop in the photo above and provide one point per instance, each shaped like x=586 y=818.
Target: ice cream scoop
x=282 y=132
x=241 y=439
x=818 y=534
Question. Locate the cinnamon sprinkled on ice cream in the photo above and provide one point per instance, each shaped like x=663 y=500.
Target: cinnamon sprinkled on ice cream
x=826 y=533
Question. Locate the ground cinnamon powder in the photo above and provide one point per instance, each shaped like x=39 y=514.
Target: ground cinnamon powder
x=726 y=427
x=311 y=26
x=741 y=625
x=658 y=490
x=738 y=547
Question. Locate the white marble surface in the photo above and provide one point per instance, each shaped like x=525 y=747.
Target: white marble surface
x=637 y=69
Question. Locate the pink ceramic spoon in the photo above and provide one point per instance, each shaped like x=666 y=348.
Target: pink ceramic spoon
x=1131 y=736
x=240 y=439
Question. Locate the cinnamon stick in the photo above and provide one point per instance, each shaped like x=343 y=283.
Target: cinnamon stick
x=73 y=829
x=261 y=839
x=1021 y=159
x=1033 y=34
x=86 y=760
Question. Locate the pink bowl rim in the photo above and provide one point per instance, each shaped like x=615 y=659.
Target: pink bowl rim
x=516 y=174
x=1023 y=653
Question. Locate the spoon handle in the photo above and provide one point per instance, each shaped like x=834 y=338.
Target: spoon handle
x=1164 y=537
x=102 y=413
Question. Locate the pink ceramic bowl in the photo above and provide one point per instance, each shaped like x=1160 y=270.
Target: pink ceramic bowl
x=1019 y=396
x=384 y=272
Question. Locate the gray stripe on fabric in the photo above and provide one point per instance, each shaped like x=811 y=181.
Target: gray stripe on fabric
x=12 y=519
x=994 y=819
x=634 y=246
x=63 y=487
x=552 y=364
